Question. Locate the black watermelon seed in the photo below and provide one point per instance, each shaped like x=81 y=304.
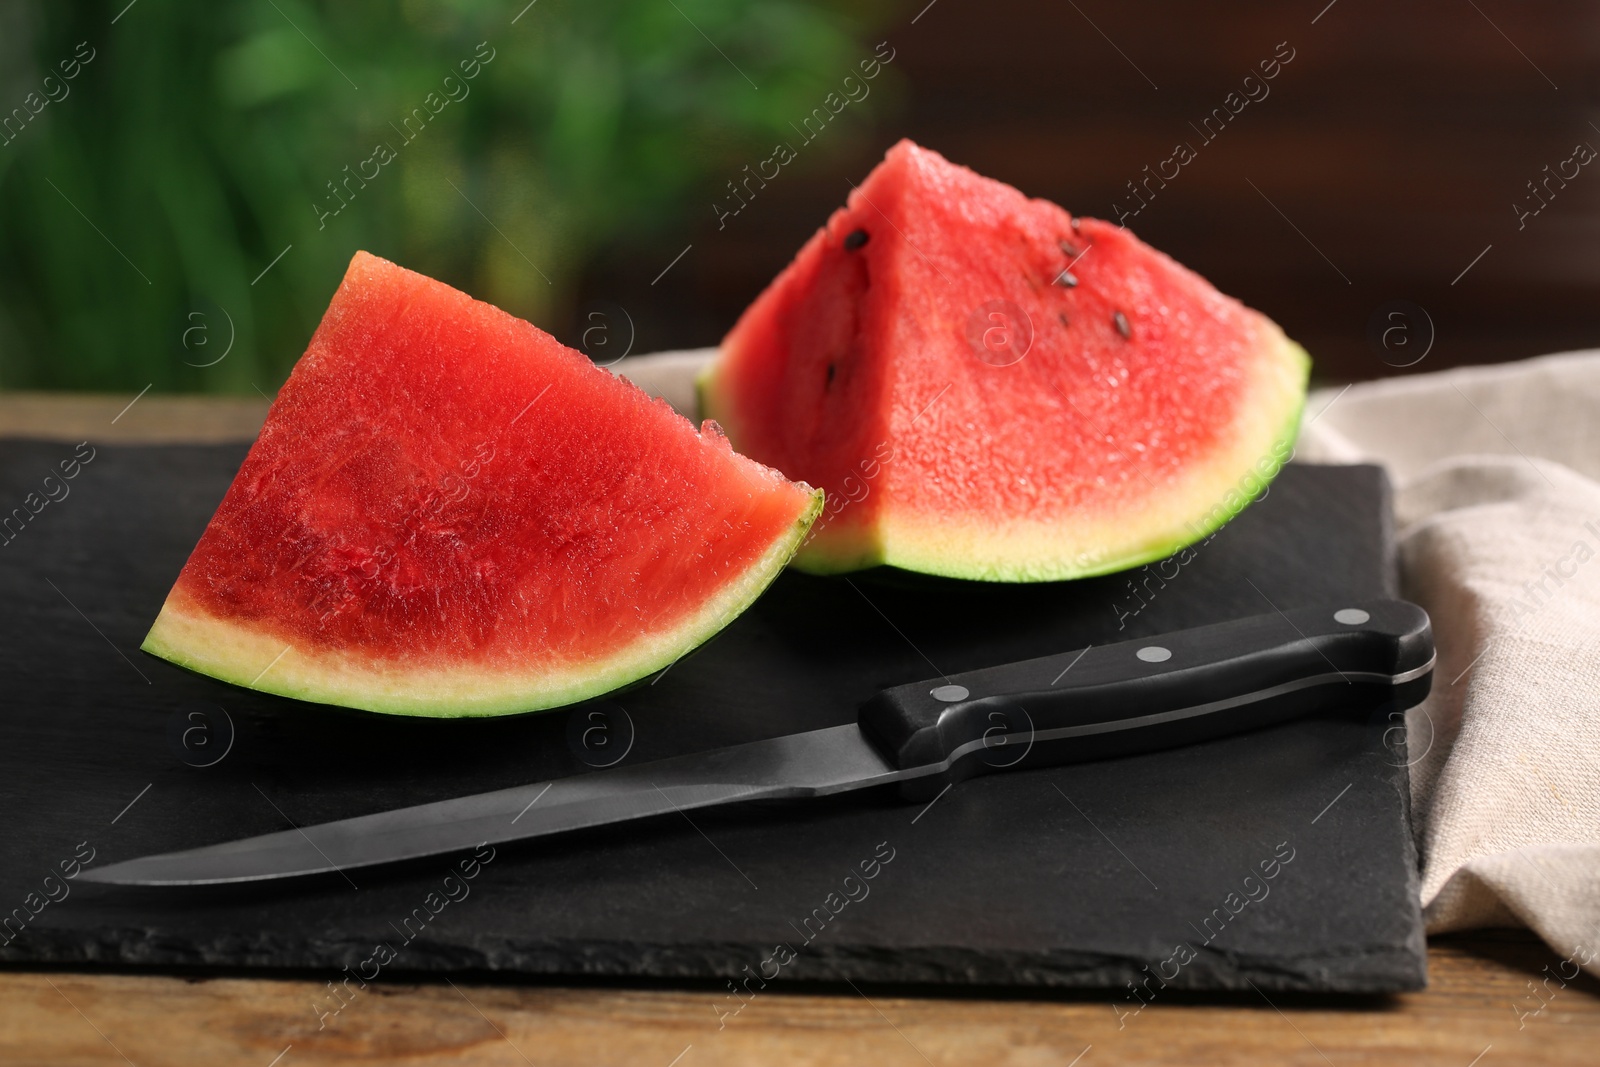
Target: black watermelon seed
x=855 y=239
x=1067 y=280
x=1120 y=321
x=830 y=373
x=1069 y=249
x=1063 y=318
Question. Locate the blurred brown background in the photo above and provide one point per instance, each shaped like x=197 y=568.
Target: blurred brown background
x=1397 y=141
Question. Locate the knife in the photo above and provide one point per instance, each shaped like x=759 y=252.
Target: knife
x=1102 y=701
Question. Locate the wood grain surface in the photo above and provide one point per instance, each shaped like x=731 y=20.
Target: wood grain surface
x=1494 y=998
x=1470 y=1015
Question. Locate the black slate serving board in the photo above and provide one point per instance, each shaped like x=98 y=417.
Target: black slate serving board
x=1129 y=870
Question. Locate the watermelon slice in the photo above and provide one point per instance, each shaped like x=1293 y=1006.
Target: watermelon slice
x=449 y=513
x=989 y=388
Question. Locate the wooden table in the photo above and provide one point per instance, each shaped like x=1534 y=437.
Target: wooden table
x=1493 y=998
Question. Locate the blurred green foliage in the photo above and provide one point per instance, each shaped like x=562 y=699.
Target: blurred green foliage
x=141 y=204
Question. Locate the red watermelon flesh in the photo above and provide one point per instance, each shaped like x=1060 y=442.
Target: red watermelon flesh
x=450 y=513
x=989 y=388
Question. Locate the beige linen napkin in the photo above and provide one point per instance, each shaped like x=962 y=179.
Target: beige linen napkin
x=1497 y=476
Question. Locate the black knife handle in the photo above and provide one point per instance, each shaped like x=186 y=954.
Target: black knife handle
x=1159 y=692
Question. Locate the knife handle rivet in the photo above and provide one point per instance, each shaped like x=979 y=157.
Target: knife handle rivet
x=1351 y=616
x=949 y=693
x=1154 y=654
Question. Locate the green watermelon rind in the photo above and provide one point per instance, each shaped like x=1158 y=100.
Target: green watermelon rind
x=511 y=699
x=1222 y=512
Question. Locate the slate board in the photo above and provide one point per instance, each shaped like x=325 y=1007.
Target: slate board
x=1077 y=876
